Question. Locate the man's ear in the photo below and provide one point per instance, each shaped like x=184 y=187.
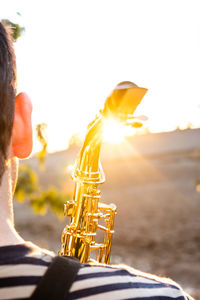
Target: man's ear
x=22 y=140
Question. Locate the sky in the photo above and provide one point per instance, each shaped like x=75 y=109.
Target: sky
x=73 y=53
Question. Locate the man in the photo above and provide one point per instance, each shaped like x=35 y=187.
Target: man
x=22 y=264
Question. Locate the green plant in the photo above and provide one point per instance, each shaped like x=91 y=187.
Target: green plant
x=28 y=190
x=27 y=183
x=42 y=138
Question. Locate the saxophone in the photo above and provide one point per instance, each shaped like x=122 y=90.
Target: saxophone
x=85 y=210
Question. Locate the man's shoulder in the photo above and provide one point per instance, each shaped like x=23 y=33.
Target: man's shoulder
x=122 y=282
x=92 y=281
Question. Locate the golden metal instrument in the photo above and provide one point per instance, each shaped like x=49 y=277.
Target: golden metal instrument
x=85 y=210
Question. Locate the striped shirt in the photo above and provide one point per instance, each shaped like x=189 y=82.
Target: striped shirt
x=23 y=265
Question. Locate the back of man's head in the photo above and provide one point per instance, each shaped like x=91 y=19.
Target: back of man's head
x=7 y=93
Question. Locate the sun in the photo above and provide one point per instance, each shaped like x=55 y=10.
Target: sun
x=115 y=132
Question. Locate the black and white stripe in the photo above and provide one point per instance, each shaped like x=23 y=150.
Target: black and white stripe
x=22 y=266
x=113 y=283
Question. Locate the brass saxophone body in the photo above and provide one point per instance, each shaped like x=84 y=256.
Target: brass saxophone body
x=85 y=210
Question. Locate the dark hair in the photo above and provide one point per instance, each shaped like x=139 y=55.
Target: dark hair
x=7 y=93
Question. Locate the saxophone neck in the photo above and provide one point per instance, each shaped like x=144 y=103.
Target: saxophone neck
x=88 y=166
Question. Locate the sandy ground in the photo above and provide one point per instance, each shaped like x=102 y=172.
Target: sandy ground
x=157 y=226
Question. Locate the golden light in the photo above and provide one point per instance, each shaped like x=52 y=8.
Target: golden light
x=115 y=132
x=69 y=168
x=198 y=188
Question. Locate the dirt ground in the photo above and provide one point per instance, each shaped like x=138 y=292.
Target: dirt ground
x=157 y=227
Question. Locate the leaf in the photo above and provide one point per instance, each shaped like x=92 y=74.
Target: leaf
x=27 y=183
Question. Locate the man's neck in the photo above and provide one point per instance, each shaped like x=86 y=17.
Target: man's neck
x=8 y=234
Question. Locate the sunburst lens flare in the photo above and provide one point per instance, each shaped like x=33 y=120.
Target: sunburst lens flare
x=115 y=132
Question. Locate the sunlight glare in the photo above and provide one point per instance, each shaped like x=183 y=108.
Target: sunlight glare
x=115 y=132
x=70 y=168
